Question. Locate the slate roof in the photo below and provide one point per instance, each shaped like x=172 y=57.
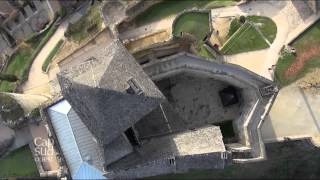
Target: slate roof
x=98 y=91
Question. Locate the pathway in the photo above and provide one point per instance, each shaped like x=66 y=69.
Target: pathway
x=295 y=114
x=36 y=76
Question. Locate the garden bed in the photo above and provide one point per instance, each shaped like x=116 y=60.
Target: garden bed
x=292 y=67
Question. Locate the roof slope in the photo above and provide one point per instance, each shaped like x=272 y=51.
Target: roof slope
x=77 y=143
x=98 y=91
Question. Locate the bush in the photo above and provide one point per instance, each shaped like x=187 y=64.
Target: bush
x=242 y=19
x=34 y=113
x=62 y=13
x=8 y=77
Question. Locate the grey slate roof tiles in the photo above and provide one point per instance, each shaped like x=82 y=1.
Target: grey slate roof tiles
x=97 y=91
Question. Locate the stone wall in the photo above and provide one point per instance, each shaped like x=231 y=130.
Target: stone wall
x=177 y=164
x=30 y=20
x=255 y=106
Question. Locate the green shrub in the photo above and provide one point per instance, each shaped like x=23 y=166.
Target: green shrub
x=34 y=113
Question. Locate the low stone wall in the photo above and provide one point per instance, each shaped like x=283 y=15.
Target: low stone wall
x=256 y=108
x=174 y=164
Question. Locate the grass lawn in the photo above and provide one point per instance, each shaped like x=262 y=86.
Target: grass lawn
x=87 y=25
x=20 y=63
x=194 y=23
x=308 y=40
x=18 y=163
x=234 y=26
x=245 y=39
x=266 y=26
x=51 y=55
x=172 y=7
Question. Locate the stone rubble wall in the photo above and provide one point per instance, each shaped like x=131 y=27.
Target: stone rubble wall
x=174 y=164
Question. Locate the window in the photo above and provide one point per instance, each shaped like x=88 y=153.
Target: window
x=130 y=134
x=134 y=87
x=171 y=161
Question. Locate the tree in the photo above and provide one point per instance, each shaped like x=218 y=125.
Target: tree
x=242 y=19
x=8 y=77
x=11 y=112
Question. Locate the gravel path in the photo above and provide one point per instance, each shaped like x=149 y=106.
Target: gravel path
x=36 y=76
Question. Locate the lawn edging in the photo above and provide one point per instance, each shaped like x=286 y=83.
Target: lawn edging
x=193 y=10
x=46 y=64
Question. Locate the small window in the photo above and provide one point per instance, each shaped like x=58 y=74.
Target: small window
x=171 y=161
x=134 y=87
x=130 y=134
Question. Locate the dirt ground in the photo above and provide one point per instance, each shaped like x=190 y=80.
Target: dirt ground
x=310 y=82
x=147 y=41
x=220 y=32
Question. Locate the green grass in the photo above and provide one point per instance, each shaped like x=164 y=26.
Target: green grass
x=283 y=64
x=51 y=55
x=194 y=23
x=266 y=26
x=234 y=26
x=205 y=53
x=20 y=63
x=307 y=40
x=87 y=25
x=245 y=39
x=18 y=163
x=172 y=7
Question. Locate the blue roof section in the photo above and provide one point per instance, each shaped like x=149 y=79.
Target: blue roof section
x=64 y=133
x=86 y=171
x=76 y=142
